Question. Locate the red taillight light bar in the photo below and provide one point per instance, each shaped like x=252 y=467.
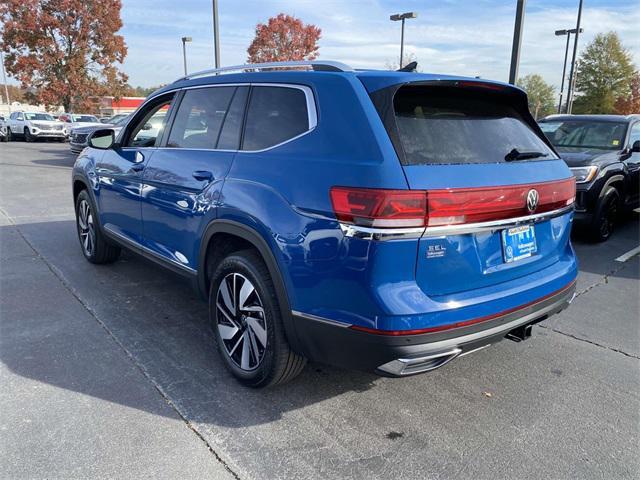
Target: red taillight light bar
x=379 y=208
x=457 y=206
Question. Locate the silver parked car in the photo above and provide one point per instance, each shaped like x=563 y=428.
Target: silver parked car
x=79 y=137
x=3 y=130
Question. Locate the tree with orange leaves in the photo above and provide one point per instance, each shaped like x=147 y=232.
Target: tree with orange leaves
x=284 y=38
x=64 y=51
x=631 y=103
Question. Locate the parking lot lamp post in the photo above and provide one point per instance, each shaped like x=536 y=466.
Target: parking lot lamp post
x=568 y=33
x=517 y=42
x=572 y=75
x=216 y=35
x=4 y=79
x=402 y=17
x=184 y=52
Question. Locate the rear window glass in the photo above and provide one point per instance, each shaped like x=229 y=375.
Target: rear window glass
x=585 y=134
x=449 y=126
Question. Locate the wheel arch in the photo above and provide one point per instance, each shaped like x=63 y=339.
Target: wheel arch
x=617 y=181
x=251 y=238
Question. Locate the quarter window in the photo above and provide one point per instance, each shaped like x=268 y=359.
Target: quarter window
x=200 y=117
x=275 y=114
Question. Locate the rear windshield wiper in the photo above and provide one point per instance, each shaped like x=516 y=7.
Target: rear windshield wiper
x=516 y=154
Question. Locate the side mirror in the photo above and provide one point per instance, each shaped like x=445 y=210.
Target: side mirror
x=635 y=148
x=102 y=139
x=147 y=126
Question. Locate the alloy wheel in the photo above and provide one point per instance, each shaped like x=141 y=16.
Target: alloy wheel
x=609 y=217
x=86 y=228
x=241 y=321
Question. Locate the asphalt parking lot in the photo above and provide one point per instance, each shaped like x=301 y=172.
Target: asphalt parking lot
x=110 y=372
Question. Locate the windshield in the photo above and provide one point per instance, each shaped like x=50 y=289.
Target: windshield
x=451 y=126
x=84 y=118
x=38 y=116
x=121 y=121
x=585 y=134
x=117 y=118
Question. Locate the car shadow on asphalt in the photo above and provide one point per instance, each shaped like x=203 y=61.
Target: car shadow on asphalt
x=598 y=259
x=160 y=324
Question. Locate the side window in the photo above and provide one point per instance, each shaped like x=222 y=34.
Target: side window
x=200 y=116
x=19 y=116
x=147 y=130
x=634 y=135
x=275 y=114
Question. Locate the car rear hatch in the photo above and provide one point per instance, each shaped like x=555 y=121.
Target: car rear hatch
x=498 y=199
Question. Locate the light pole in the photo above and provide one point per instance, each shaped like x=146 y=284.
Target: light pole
x=4 y=79
x=184 y=52
x=560 y=33
x=216 y=34
x=572 y=77
x=517 y=42
x=403 y=17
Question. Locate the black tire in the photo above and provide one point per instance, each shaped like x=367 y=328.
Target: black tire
x=95 y=247
x=273 y=361
x=606 y=215
x=27 y=135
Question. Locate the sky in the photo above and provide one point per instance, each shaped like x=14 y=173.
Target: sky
x=463 y=37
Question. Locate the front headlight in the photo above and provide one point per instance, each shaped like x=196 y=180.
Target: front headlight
x=584 y=174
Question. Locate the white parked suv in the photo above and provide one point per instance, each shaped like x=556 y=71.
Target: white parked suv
x=34 y=125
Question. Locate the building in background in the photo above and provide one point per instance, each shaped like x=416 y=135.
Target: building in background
x=109 y=106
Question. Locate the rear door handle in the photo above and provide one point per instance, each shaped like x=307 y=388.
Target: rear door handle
x=203 y=175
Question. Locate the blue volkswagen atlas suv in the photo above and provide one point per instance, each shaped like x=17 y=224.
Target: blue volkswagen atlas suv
x=376 y=220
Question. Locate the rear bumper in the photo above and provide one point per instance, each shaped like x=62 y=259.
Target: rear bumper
x=330 y=342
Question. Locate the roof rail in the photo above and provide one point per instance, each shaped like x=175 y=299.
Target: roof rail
x=317 y=65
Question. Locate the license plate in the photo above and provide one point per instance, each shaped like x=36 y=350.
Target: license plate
x=518 y=243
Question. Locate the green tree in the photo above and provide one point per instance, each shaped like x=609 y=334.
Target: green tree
x=541 y=95
x=605 y=71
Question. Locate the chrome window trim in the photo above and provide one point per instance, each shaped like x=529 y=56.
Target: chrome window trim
x=312 y=113
x=384 y=234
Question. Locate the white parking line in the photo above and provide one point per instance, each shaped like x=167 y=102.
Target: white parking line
x=626 y=256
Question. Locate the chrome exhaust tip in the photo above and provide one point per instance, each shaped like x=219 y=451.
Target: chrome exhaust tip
x=409 y=366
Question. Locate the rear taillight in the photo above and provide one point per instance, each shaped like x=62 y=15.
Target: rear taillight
x=473 y=205
x=417 y=208
x=379 y=208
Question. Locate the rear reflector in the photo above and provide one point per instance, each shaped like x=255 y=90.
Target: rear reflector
x=457 y=206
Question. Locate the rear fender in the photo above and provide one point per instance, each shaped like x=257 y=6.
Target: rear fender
x=260 y=244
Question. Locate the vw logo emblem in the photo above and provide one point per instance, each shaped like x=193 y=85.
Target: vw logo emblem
x=532 y=200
